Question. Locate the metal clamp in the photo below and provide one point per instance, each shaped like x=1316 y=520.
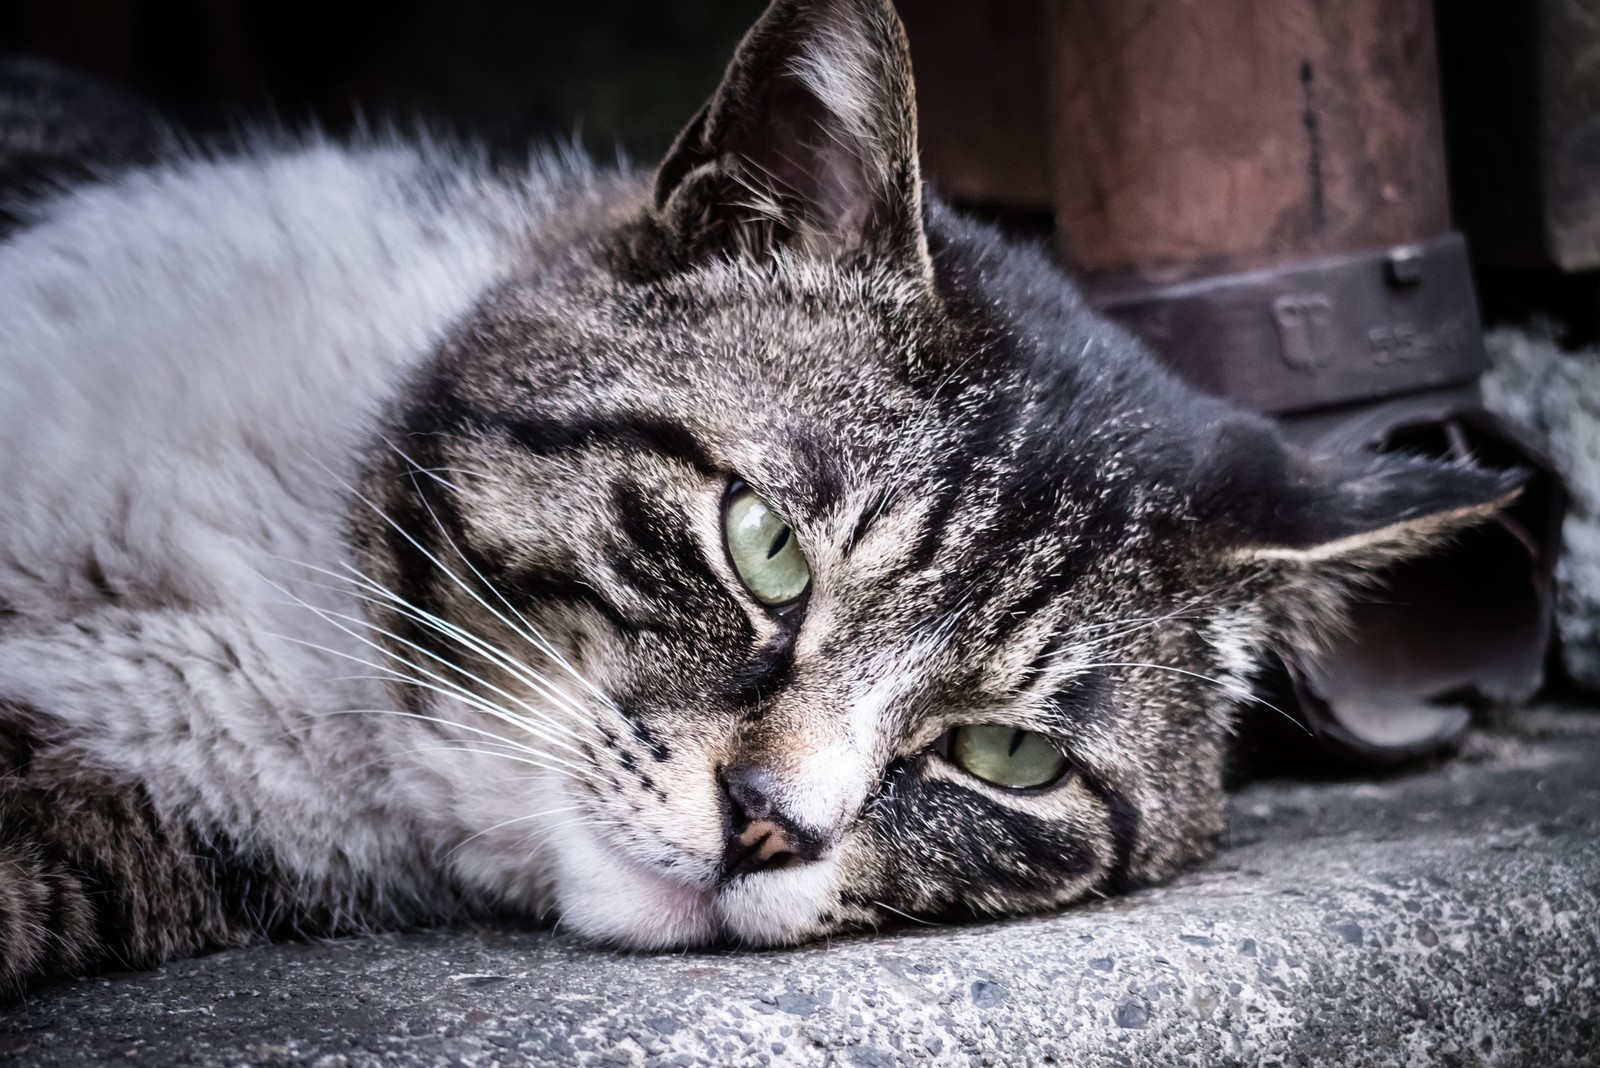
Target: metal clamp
x=1318 y=333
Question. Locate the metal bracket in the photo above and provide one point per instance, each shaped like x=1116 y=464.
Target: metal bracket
x=1317 y=333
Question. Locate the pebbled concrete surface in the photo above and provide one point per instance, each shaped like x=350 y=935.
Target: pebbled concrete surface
x=1450 y=916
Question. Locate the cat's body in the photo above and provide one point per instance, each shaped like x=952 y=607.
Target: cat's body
x=134 y=582
x=364 y=557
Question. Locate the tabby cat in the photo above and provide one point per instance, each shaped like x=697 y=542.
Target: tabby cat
x=743 y=553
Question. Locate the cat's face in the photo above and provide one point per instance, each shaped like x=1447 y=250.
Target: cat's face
x=818 y=559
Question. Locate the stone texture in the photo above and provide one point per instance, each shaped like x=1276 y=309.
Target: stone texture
x=1569 y=91
x=1554 y=396
x=1522 y=116
x=1446 y=916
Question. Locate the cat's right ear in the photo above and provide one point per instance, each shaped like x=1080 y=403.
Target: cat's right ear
x=809 y=144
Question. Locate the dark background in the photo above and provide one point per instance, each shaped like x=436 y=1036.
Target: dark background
x=611 y=72
x=626 y=74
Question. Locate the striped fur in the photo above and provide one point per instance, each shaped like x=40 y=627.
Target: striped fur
x=362 y=561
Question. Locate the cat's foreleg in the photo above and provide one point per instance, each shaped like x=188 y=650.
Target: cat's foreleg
x=91 y=878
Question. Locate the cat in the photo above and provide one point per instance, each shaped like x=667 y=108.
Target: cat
x=743 y=552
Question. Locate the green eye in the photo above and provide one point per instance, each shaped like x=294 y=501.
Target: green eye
x=764 y=551
x=1006 y=756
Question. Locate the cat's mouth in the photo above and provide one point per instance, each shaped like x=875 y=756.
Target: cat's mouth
x=609 y=895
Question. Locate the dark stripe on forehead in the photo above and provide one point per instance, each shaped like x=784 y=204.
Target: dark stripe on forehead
x=535 y=585
x=663 y=549
x=966 y=465
x=630 y=431
x=817 y=461
x=1084 y=696
x=1060 y=559
x=945 y=499
x=1021 y=611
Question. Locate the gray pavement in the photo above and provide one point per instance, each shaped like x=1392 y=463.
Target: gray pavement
x=1449 y=916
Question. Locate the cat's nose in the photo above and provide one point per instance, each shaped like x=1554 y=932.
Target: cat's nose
x=760 y=836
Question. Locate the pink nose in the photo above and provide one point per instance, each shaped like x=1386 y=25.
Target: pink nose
x=760 y=836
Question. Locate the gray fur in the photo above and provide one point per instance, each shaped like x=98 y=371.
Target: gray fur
x=1553 y=396
x=364 y=523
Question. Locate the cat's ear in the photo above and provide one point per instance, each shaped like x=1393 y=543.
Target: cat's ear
x=1344 y=511
x=810 y=143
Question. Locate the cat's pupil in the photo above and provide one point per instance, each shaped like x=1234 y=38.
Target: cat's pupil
x=783 y=539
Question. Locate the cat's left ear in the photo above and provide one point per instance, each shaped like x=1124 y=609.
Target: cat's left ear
x=1344 y=511
x=810 y=144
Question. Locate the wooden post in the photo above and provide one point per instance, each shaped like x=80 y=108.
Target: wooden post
x=1196 y=137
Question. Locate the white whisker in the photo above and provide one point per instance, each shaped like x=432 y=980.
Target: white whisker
x=1229 y=688
x=460 y=636
x=539 y=834
x=526 y=674
x=533 y=756
x=507 y=823
x=531 y=635
x=503 y=744
x=450 y=688
x=447 y=689
x=540 y=716
x=904 y=915
x=537 y=641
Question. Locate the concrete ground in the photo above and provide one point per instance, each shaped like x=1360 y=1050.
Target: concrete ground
x=1448 y=916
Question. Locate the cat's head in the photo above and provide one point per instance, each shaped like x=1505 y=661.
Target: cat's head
x=795 y=555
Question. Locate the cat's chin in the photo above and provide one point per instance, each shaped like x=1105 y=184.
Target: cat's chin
x=605 y=895
x=778 y=907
